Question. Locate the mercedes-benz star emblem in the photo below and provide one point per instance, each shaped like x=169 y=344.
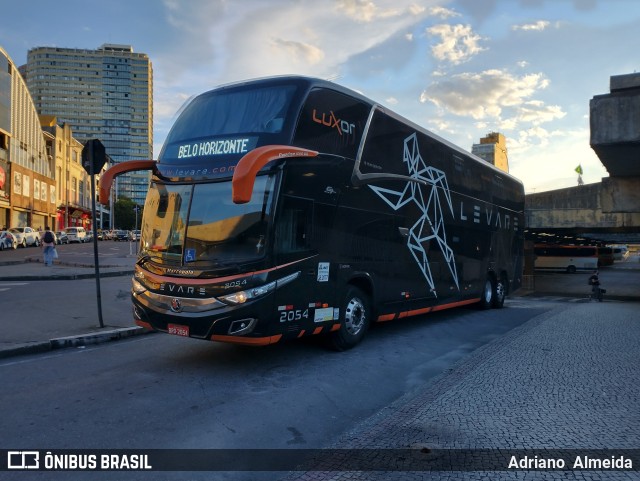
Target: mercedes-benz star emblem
x=176 y=305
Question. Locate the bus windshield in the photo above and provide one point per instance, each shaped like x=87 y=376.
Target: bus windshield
x=228 y=115
x=199 y=225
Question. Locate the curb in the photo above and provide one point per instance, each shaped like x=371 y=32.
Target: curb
x=124 y=271
x=582 y=296
x=66 y=277
x=74 y=341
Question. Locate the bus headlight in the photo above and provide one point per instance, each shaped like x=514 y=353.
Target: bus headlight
x=243 y=296
x=137 y=287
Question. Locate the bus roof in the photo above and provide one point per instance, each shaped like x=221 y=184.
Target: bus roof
x=303 y=85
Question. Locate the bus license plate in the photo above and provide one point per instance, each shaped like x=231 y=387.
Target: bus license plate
x=178 y=330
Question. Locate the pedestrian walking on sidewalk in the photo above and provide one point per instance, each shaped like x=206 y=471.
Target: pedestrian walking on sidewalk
x=48 y=246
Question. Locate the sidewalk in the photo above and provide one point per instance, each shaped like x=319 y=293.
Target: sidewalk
x=622 y=281
x=564 y=385
x=62 y=326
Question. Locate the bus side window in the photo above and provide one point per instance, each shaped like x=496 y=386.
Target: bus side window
x=293 y=229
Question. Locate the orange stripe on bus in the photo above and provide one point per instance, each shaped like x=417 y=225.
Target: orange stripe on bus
x=335 y=327
x=301 y=333
x=317 y=330
x=146 y=325
x=426 y=310
x=249 y=341
x=456 y=304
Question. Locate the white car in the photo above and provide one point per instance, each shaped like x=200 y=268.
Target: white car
x=76 y=234
x=7 y=240
x=26 y=236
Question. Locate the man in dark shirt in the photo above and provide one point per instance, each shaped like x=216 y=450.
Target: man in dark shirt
x=594 y=282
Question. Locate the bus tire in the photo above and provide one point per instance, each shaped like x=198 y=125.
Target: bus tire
x=355 y=317
x=500 y=292
x=488 y=293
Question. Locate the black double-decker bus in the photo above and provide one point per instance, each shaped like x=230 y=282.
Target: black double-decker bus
x=291 y=206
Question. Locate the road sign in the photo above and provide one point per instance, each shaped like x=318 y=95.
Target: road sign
x=94 y=156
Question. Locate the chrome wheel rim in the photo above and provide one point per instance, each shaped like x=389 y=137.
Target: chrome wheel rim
x=499 y=291
x=354 y=317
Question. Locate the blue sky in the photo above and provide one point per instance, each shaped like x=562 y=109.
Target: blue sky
x=461 y=68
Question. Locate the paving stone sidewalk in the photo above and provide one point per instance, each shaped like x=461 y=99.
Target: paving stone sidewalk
x=567 y=380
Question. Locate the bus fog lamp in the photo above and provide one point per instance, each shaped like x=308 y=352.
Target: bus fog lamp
x=241 y=327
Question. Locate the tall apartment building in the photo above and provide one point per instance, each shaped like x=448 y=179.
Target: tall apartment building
x=105 y=94
x=493 y=149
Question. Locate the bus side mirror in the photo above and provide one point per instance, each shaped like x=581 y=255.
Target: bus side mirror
x=244 y=175
x=106 y=179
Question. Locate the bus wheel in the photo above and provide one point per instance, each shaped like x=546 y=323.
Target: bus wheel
x=500 y=293
x=488 y=292
x=354 y=320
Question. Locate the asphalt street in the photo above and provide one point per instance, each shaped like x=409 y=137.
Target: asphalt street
x=565 y=383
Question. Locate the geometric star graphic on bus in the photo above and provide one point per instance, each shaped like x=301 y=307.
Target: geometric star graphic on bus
x=425 y=190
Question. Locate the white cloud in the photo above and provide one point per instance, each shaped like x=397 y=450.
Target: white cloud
x=359 y=10
x=369 y=11
x=536 y=112
x=539 y=26
x=298 y=52
x=441 y=126
x=487 y=94
x=216 y=42
x=442 y=12
x=457 y=44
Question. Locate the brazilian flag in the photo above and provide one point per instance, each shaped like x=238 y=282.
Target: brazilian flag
x=579 y=169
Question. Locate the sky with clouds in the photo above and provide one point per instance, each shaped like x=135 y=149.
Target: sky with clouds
x=461 y=68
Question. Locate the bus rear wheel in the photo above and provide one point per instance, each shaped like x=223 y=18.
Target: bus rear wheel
x=500 y=292
x=354 y=320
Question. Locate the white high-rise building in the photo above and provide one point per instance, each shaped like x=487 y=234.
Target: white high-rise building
x=104 y=94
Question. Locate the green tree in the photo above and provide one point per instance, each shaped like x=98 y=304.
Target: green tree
x=125 y=214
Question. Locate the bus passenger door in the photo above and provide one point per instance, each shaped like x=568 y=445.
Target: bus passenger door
x=306 y=303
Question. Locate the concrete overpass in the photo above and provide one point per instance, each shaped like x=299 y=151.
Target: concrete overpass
x=609 y=210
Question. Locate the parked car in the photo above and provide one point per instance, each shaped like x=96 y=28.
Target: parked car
x=134 y=235
x=76 y=234
x=7 y=240
x=89 y=236
x=62 y=237
x=121 y=235
x=26 y=236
